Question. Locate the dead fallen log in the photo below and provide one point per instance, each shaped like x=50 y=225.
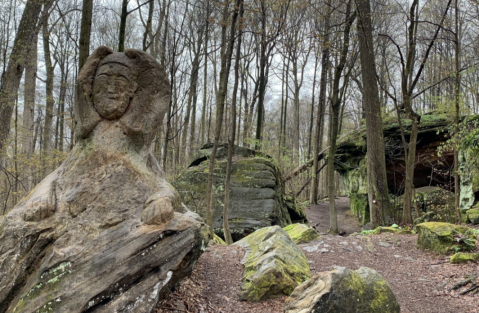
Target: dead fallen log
x=309 y=180
x=305 y=166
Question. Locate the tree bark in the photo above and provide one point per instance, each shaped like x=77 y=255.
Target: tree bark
x=378 y=194
x=334 y=119
x=321 y=106
x=85 y=32
x=16 y=65
x=226 y=55
x=231 y=140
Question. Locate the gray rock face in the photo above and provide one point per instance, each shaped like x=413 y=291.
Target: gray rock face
x=104 y=232
x=343 y=291
x=256 y=195
x=274 y=265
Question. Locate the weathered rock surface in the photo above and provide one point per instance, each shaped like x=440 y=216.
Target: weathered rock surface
x=473 y=216
x=445 y=237
x=274 y=265
x=104 y=232
x=301 y=233
x=256 y=194
x=462 y=257
x=343 y=291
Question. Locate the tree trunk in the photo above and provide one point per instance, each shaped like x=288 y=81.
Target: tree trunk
x=313 y=199
x=378 y=194
x=87 y=12
x=16 y=64
x=231 y=140
x=50 y=101
x=334 y=119
x=123 y=16
x=29 y=107
x=226 y=55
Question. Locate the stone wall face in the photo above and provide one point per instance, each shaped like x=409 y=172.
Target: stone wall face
x=256 y=195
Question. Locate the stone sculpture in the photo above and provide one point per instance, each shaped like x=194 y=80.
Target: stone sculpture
x=104 y=232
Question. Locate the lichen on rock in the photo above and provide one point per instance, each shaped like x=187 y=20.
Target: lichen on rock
x=462 y=257
x=301 y=233
x=345 y=291
x=444 y=237
x=274 y=265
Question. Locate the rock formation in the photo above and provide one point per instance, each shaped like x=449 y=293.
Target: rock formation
x=104 y=232
x=445 y=237
x=345 y=291
x=256 y=196
x=273 y=265
x=301 y=233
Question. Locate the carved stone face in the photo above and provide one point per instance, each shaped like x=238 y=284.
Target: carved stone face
x=113 y=87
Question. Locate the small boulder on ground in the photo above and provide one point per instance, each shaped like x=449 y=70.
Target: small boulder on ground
x=301 y=233
x=462 y=257
x=445 y=237
x=273 y=265
x=343 y=290
x=473 y=216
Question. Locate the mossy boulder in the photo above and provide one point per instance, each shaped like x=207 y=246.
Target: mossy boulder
x=462 y=257
x=273 y=265
x=343 y=290
x=257 y=197
x=301 y=233
x=444 y=237
x=473 y=216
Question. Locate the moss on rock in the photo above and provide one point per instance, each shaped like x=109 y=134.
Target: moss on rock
x=343 y=290
x=440 y=237
x=461 y=257
x=394 y=230
x=274 y=265
x=473 y=216
x=301 y=233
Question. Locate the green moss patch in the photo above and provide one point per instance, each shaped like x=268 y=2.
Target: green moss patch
x=301 y=233
x=473 y=216
x=461 y=257
x=274 y=265
x=444 y=237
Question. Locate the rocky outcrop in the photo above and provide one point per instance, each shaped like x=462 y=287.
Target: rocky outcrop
x=444 y=237
x=301 y=233
x=104 y=232
x=431 y=169
x=273 y=265
x=345 y=291
x=256 y=194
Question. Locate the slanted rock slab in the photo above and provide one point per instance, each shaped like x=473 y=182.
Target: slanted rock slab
x=301 y=233
x=440 y=237
x=274 y=265
x=343 y=291
x=462 y=257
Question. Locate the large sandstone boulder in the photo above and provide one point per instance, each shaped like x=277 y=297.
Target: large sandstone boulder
x=445 y=237
x=256 y=194
x=301 y=233
x=104 y=232
x=343 y=291
x=274 y=265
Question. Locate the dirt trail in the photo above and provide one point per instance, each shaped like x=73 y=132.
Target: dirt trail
x=421 y=281
x=318 y=216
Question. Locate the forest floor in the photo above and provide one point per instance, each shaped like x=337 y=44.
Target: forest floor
x=420 y=280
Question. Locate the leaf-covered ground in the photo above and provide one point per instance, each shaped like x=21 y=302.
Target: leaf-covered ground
x=421 y=281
